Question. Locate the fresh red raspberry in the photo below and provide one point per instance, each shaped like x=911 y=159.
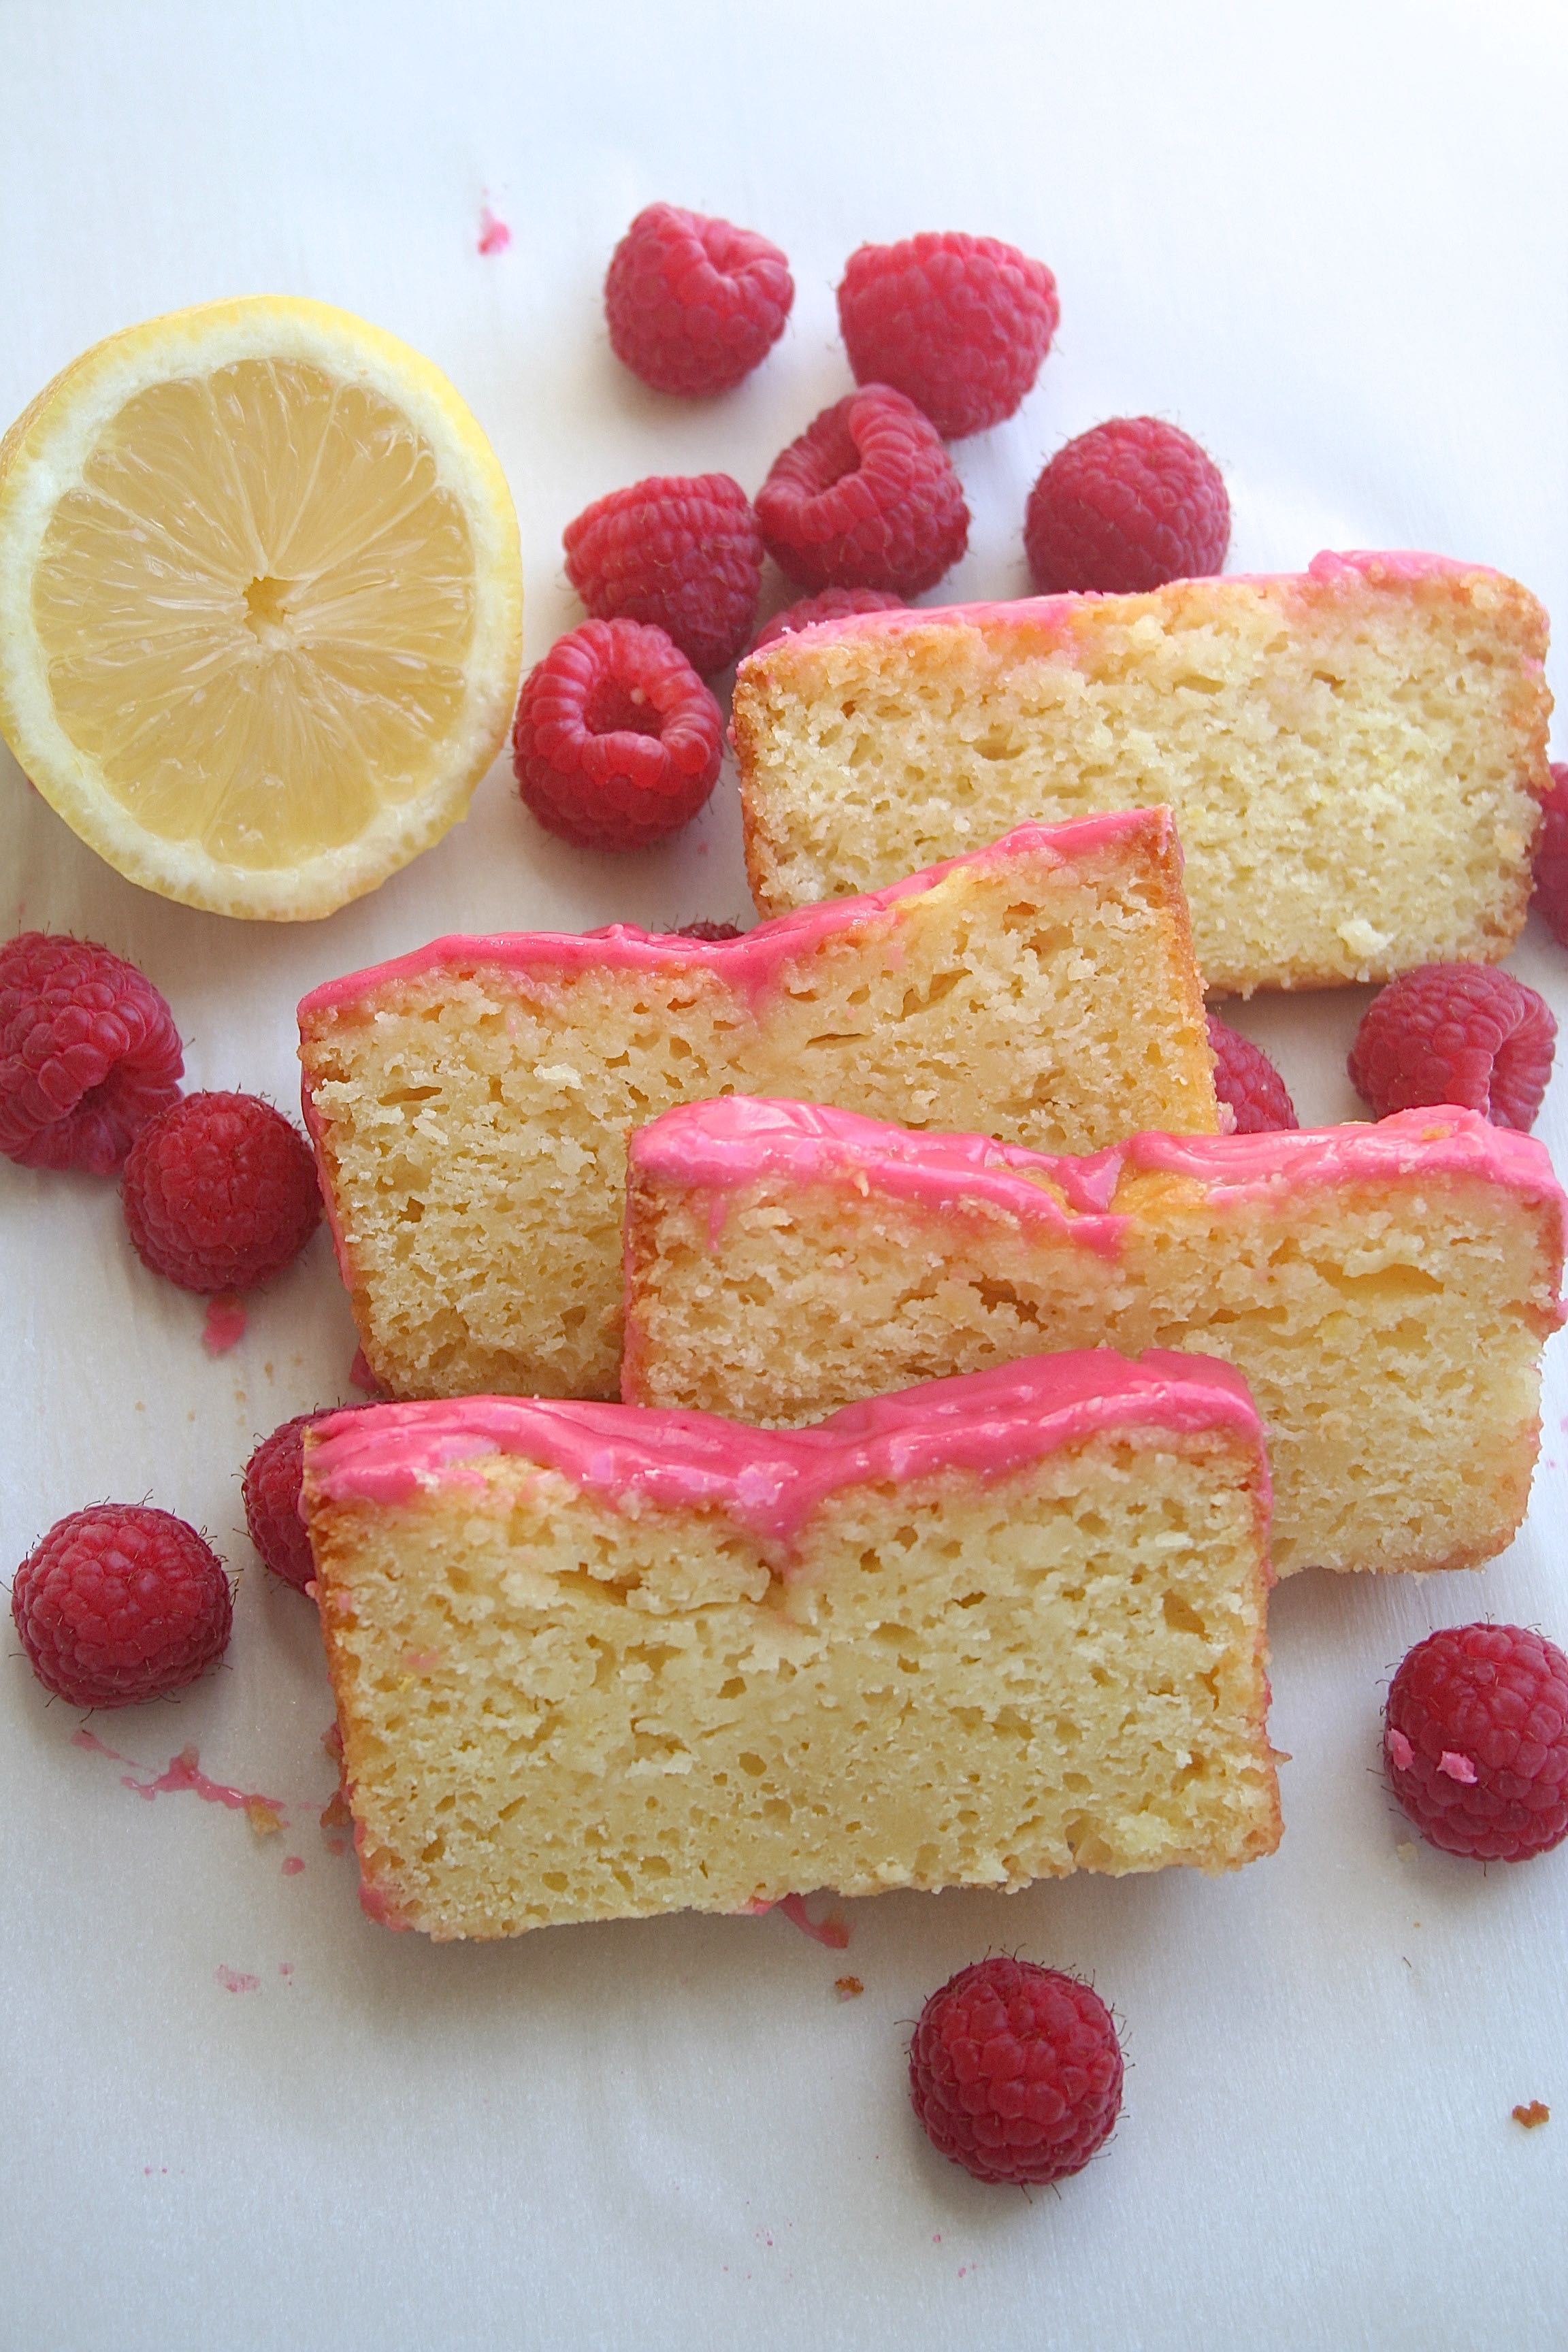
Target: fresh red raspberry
x=88 y=1053
x=616 y=741
x=121 y=1603
x=1475 y=1741
x=1015 y=2072
x=1454 y=1033
x=681 y=551
x=220 y=1193
x=1247 y=1079
x=708 y=931
x=959 y=324
x=1126 y=507
x=1550 y=900
x=867 y=498
x=833 y=604
x=273 y=1478
x=693 y=304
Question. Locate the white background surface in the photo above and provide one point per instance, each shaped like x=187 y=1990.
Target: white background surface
x=1328 y=240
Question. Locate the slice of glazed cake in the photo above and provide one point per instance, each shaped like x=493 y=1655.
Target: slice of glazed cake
x=592 y=1662
x=1384 y=1290
x=1355 y=754
x=470 y=1103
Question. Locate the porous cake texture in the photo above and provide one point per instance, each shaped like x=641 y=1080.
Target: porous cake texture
x=1386 y=1291
x=470 y=1103
x=1355 y=754
x=592 y=1662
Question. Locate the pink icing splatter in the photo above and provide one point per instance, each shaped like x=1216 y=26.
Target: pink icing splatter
x=285 y=1968
x=236 y=1980
x=832 y=1932
x=494 y=234
x=182 y=1772
x=1400 y=1751
x=225 y=1326
x=293 y=1863
x=1457 y=1768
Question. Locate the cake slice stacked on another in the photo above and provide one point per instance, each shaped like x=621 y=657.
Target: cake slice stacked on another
x=1384 y=1290
x=470 y=1103
x=1355 y=754
x=594 y=1663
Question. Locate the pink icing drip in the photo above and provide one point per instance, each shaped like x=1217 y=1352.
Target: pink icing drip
x=771 y=1481
x=834 y=1933
x=225 y=1326
x=1457 y=1768
x=1050 y=615
x=494 y=234
x=183 y=1773
x=752 y=964
x=1401 y=1753
x=720 y=1146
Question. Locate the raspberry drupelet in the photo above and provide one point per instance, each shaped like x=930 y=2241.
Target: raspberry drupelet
x=960 y=324
x=1456 y=1032
x=273 y=1478
x=89 y=1054
x=682 y=552
x=121 y=1603
x=1015 y=2072
x=694 y=303
x=220 y=1193
x=1475 y=1741
x=867 y=498
x=1128 y=506
x=616 y=742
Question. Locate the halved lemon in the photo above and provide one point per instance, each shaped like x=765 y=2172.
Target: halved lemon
x=260 y=604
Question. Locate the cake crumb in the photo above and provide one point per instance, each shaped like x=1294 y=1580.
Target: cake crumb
x=852 y=1989
x=1405 y=1848
x=1537 y=2112
x=265 y=1819
x=335 y=1814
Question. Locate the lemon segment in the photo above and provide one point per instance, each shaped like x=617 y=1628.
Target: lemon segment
x=260 y=605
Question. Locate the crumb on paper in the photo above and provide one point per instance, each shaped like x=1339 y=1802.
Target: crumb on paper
x=1537 y=2112
x=848 y=1988
x=264 y=1818
x=335 y=1814
x=225 y=1326
x=1405 y=1848
x=494 y=234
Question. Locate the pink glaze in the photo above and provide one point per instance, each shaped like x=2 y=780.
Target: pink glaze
x=293 y=1863
x=753 y=964
x=183 y=1773
x=834 y=1933
x=771 y=1481
x=1377 y=567
x=225 y=1326
x=1401 y=1753
x=1457 y=1768
x=720 y=1146
x=494 y=234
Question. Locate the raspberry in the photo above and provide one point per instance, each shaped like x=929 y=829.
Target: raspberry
x=121 y=1603
x=1126 y=507
x=1247 y=1080
x=693 y=304
x=708 y=931
x=1454 y=1033
x=1015 y=2072
x=867 y=498
x=273 y=1477
x=1550 y=900
x=1475 y=1741
x=88 y=1053
x=959 y=324
x=833 y=604
x=681 y=552
x=616 y=741
x=219 y=1192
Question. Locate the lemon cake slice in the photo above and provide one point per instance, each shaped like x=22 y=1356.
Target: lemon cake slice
x=1386 y=1291
x=471 y=1103
x=1355 y=754
x=593 y=1662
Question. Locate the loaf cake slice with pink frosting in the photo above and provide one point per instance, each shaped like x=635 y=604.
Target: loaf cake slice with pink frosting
x=593 y=1662
x=1386 y=1291
x=1355 y=754
x=471 y=1103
